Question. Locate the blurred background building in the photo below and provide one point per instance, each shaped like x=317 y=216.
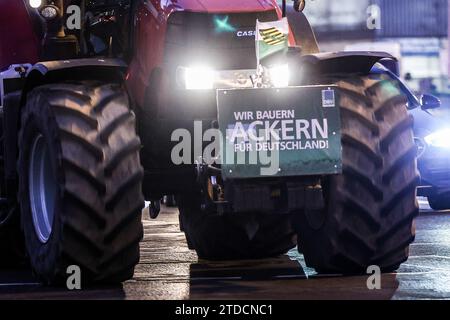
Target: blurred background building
x=415 y=31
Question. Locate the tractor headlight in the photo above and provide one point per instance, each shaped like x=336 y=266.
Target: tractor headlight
x=439 y=139
x=279 y=76
x=49 y=12
x=35 y=3
x=199 y=78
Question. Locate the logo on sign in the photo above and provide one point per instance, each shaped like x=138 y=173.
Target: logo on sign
x=328 y=99
x=272 y=36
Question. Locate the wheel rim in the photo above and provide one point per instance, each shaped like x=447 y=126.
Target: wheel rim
x=42 y=189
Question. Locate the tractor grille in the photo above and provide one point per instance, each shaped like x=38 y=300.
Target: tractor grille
x=221 y=41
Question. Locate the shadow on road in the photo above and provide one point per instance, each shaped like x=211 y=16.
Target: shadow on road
x=169 y=270
x=20 y=284
x=280 y=278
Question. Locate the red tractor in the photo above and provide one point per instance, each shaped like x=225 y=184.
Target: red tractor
x=97 y=93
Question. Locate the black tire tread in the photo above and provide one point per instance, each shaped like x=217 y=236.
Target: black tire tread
x=370 y=214
x=95 y=124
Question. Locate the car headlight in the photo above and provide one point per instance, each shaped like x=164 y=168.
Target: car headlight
x=439 y=139
x=279 y=76
x=199 y=78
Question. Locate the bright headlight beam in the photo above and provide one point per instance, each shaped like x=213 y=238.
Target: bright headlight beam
x=279 y=76
x=439 y=139
x=199 y=78
x=35 y=3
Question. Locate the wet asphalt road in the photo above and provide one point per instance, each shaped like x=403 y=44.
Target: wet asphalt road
x=169 y=270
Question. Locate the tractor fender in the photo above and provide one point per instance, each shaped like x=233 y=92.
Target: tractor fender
x=111 y=70
x=41 y=73
x=345 y=62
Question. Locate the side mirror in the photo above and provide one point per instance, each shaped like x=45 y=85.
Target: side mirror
x=429 y=102
x=299 y=5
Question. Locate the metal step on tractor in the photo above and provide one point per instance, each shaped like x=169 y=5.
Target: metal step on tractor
x=267 y=143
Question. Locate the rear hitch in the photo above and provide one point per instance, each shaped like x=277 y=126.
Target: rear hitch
x=209 y=178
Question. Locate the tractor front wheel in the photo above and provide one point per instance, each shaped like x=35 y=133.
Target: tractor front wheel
x=80 y=182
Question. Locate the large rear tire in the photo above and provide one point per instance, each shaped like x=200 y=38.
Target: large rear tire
x=371 y=206
x=224 y=237
x=80 y=182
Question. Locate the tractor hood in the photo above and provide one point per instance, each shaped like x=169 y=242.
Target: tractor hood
x=224 y=6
